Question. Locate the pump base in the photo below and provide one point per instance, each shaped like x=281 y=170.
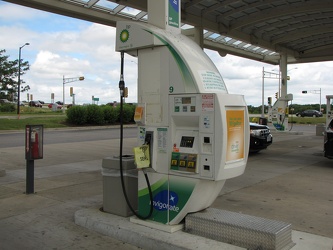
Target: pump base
x=157 y=225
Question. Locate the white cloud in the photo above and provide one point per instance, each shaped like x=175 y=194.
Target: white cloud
x=12 y=37
x=13 y=13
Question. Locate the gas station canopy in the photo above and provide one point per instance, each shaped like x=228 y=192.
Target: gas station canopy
x=260 y=30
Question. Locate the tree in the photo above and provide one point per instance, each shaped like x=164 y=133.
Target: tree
x=9 y=74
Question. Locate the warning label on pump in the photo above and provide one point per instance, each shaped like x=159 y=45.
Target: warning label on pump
x=212 y=81
x=207 y=102
x=162 y=138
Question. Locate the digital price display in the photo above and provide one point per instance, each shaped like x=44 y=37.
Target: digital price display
x=187 y=141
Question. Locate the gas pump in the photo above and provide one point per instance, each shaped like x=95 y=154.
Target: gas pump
x=198 y=134
x=278 y=114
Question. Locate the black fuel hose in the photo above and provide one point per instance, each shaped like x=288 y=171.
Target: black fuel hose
x=122 y=88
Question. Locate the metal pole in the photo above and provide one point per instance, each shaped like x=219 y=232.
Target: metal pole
x=63 y=94
x=19 y=80
x=262 y=93
x=320 y=100
x=67 y=80
x=30 y=172
x=279 y=82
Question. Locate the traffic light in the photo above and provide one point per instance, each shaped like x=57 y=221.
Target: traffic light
x=269 y=100
x=304 y=92
x=276 y=95
x=71 y=91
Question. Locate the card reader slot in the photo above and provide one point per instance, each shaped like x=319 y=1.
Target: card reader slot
x=206 y=167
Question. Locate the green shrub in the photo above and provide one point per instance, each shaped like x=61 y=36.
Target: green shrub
x=95 y=115
x=77 y=115
x=128 y=113
x=99 y=115
x=7 y=107
x=110 y=114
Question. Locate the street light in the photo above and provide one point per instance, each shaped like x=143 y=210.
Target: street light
x=19 y=79
x=67 y=80
x=315 y=91
x=269 y=75
x=288 y=78
x=273 y=75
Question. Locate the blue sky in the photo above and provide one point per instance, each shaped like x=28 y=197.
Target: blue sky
x=62 y=46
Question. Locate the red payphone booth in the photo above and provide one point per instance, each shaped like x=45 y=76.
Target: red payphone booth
x=33 y=151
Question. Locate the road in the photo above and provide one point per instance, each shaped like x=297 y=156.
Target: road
x=84 y=135
x=291 y=181
x=66 y=136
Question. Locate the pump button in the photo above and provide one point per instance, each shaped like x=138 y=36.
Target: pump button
x=182 y=163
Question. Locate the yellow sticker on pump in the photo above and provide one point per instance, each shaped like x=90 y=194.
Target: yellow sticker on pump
x=141 y=156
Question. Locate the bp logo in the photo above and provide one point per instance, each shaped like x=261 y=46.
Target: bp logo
x=124 y=35
x=165 y=200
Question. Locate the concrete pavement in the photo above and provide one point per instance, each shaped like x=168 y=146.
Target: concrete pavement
x=291 y=181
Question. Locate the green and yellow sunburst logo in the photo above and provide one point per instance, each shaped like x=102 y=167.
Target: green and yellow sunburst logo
x=124 y=35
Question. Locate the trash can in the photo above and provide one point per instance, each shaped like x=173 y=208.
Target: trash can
x=262 y=121
x=320 y=129
x=114 y=201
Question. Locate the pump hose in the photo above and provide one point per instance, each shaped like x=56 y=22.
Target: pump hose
x=121 y=86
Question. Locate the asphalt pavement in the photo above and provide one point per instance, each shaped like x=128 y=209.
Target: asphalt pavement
x=291 y=181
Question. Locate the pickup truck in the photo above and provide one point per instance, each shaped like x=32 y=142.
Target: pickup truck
x=260 y=137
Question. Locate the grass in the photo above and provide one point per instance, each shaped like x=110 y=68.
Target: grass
x=299 y=120
x=47 y=121
x=50 y=119
x=32 y=111
x=307 y=120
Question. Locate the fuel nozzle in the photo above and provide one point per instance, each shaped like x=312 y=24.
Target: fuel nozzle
x=121 y=81
x=148 y=139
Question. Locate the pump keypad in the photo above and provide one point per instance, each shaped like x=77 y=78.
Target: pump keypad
x=184 y=162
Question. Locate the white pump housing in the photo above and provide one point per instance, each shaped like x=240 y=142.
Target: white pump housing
x=198 y=133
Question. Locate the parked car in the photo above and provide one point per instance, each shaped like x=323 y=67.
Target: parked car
x=57 y=105
x=4 y=101
x=59 y=102
x=35 y=104
x=260 y=137
x=310 y=113
x=41 y=102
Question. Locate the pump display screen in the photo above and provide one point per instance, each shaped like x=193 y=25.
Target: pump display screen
x=187 y=141
x=186 y=100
